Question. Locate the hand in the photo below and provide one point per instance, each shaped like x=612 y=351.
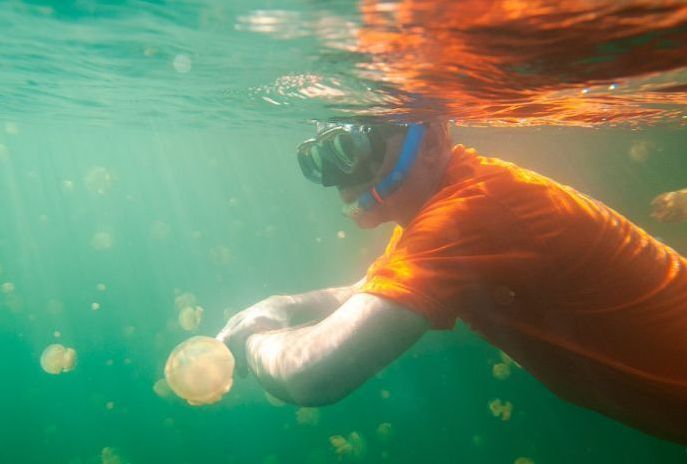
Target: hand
x=268 y=314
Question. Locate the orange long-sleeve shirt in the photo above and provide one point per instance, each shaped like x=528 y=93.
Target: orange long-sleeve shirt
x=586 y=301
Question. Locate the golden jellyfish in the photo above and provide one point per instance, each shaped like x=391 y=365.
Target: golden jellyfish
x=182 y=300
x=101 y=241
x=670 y=206
x=99 y=180
x=500 y=371
x=501 y=409
x=162 y=389
x=110 y=455
x=200 y=370
x=385 y=432
x=523 y=460
x=189 y=318
x=308 y=416
x=353 y=447
x=640 y=150
x=57 y=359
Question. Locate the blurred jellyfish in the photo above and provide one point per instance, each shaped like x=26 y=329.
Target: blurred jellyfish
x=308 y=416
x=110 y=455
x=95 y=306
x=200 y=370
x=189 y=318
x=274 y=401
x=11 y=128
x=523 y=460
x=478 y=440
x=385 y=394
x=341 y=234
x=670 y=206
x=99 y=180
x=502 y=410
x=68 y=185
x=500 y=371
x=110 y=405
x=385 y=432
x=185 y=299
x=101 y=241
x=220 y=255
x=7 y=288
x=4 y=153
x=640 y=150
x=182 y=63
x=352 y=447
x=271 y=459
x=161 y=388
x=57 y=359
x=101 y=287
x=160 y=230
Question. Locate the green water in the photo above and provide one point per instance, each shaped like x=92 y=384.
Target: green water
x=227 y=216
x=146 y=150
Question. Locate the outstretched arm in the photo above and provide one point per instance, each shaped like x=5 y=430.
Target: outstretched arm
x=322 y=363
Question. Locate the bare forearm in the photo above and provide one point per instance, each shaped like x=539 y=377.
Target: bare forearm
x=318 y=304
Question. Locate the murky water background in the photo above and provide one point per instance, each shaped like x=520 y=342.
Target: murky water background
x=146 y=152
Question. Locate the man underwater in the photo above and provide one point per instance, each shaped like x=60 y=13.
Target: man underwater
x=584 y=300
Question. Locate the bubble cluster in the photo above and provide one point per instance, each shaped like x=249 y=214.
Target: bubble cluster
x=200 y=370
x=57 y=359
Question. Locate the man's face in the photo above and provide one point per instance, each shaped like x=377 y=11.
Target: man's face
x=349 y=194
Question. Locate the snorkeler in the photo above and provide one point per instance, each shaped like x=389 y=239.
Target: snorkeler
x=584 y=300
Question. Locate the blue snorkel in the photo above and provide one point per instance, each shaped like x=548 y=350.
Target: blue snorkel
x=388 y=185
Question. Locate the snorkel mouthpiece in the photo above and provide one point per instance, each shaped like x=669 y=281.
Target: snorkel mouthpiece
x=388 y=185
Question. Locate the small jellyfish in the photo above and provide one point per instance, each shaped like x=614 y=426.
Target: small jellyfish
x=95 y=306
x=385 y=432
x=185 y=299
x=7 y=288
x=101 y=287
x=54 y=307
x=110 y=405
x=161 y=388
x=182 y=63
x=353 y=447
x=500 y=371
x=385 y=394
x=57 y=359
x=670 y=206
x=523 y=460
x=200 y=370
x=101 y=241
x=640 y=150
x=502 y=410
x=11 y=128
x=220 y=255
x=189 y=318
x=99 y=180
x=341 y=234
x=308 y=416
x=110 y=455
x=160 y=231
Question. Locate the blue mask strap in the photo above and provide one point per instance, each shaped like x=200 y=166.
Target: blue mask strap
x=388 y=185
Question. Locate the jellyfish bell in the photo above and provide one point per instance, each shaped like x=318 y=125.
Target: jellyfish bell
x=57 y=359
x=200 y=370
x=190 y=317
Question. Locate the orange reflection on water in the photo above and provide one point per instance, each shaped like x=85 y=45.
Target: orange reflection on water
x=574 y=62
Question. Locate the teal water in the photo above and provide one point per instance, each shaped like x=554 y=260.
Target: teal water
x=125 y=185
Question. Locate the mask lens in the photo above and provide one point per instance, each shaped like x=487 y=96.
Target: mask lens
x=310 y=161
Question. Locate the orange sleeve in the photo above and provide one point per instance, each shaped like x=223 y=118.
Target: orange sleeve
x=461 y=250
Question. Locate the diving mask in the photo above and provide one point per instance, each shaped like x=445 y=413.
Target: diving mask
x=342 y=155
